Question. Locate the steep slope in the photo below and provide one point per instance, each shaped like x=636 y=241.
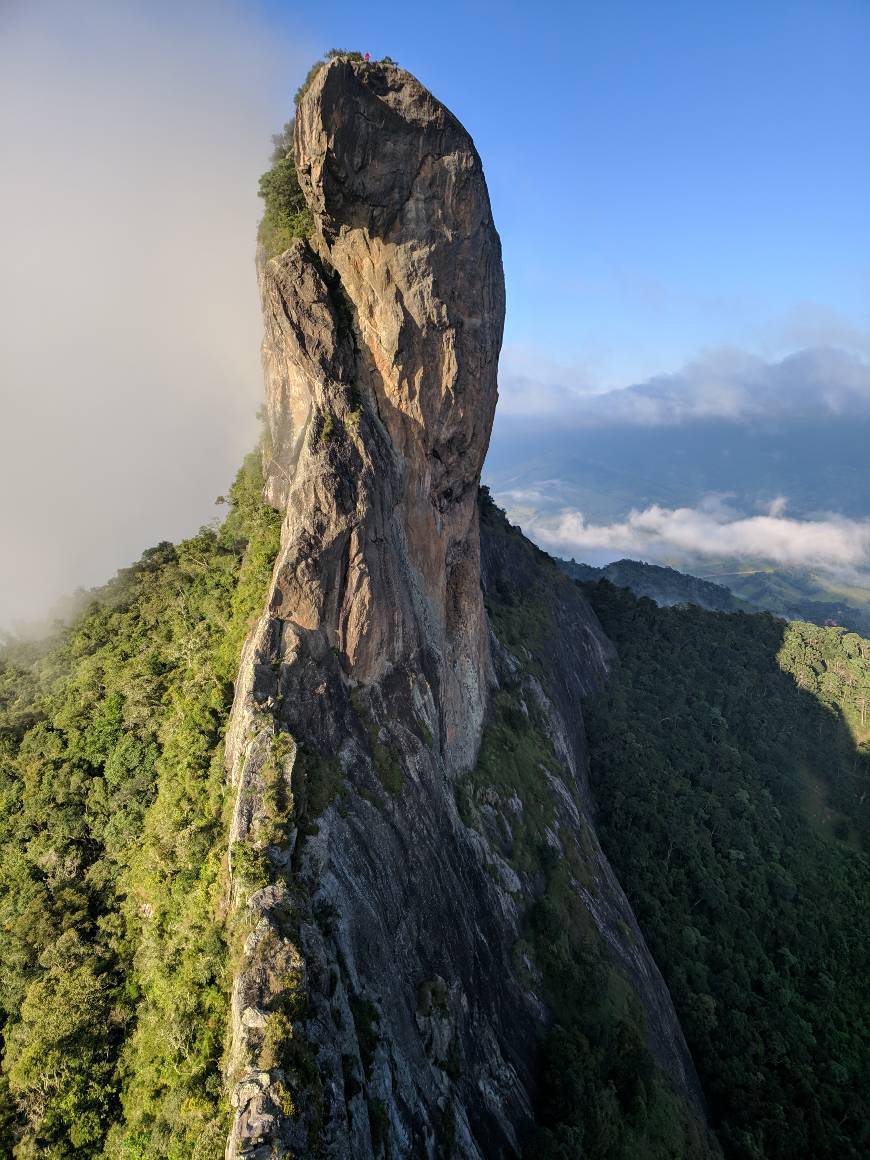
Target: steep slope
x=382 y=998
x=365 y=912
x=357 y=901
x=729 y=758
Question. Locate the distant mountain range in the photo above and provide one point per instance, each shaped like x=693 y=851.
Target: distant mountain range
x=790 y=594
x=665 y=586
x=820 y=465
x=773 y=506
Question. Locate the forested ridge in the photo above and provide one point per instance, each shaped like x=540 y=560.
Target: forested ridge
x=665 y=586
x=731 y=767
x=113 y=965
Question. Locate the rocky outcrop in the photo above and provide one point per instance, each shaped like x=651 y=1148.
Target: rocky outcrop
x=379 y=1005
x=384 y=359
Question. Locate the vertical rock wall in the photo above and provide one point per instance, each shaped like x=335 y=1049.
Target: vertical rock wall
x=376 y=999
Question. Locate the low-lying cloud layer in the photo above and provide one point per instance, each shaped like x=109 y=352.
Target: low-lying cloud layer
x=833 y=545
x=133 y=135
x=727 y=384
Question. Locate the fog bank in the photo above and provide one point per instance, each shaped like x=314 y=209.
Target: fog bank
x=133 y=135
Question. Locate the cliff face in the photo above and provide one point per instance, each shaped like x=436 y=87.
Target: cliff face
x=385 y=360
x=379 y=997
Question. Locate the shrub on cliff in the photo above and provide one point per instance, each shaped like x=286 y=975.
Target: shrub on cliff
x=286 y=215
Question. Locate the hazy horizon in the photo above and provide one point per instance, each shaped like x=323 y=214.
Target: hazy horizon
x=133 y=139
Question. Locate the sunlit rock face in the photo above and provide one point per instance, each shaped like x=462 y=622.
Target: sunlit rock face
x=379 y=1004
x=387 y=330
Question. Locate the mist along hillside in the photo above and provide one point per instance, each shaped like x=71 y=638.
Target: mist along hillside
x=302 y=852
x=114 y=881
x=297 y=856
x=730 y=763
x=113 y=960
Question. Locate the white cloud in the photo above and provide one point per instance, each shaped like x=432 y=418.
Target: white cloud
x=834 y=544
x=532 y=384
x=726 y=384
x=813 y=324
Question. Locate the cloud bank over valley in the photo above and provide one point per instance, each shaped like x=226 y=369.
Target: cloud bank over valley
x=696 y=465
x=834 y=545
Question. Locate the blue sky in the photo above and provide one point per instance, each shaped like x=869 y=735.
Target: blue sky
x=666 y=176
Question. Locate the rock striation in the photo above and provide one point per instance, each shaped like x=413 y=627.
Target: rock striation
x=377 y=1004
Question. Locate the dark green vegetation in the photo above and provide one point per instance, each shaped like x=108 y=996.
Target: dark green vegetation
x=385 y=761
x=286 y=216
x=601 y=1094
x=731 y=767
x=113 y=965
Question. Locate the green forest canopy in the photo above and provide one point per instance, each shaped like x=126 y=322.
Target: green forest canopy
x=113 y=964
x=731 y=766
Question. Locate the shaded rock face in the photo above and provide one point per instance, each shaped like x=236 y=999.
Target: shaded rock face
x=376 y=1004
